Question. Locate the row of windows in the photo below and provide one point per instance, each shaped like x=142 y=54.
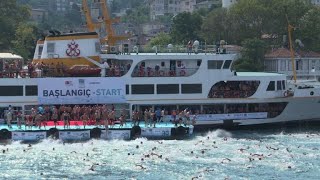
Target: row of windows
x=135 y=89
x=281 y=85
x=18 y=90
x=165 y=89
x=218 y=64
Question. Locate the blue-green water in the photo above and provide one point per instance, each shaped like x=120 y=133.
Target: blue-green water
x=214 y=155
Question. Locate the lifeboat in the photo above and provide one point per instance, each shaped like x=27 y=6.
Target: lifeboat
x=83 y=70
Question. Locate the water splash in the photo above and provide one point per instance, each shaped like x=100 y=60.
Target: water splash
x=217 y=154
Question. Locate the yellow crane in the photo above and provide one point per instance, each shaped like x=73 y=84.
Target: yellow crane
x=91 y=26
x=111 y=38
x=290 y=29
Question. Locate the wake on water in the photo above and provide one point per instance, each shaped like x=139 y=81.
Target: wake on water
x=216 y=154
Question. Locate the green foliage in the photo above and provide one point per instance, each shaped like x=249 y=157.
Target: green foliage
x=25 y=39
x=186 y=27
x=252 y=55
x=11 y=15
x=310 y=29
x=253 y=18
x=162 y=39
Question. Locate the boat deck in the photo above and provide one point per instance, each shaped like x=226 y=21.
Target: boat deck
x=77 y=131
x=79 y=126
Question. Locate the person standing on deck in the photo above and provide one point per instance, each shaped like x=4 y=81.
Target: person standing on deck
x=146 y=114
x=9 y=118
x=189 y=47
x=38 y=119
x=84 y=119
x=65 y=117
x=158 y=115
x=19 y=118
x=105 y=117
x=55 y=117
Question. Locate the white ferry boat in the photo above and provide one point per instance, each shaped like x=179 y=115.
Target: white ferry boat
x=75 y=71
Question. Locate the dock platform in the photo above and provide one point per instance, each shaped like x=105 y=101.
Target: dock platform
x=77 y=132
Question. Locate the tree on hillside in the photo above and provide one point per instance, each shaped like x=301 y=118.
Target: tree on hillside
x=252 y=56
x=216 y=26
x=25 y=39
x=252 y=19
x=11 y=15
x=309 y=31
x=162 y=39
x=186 y=27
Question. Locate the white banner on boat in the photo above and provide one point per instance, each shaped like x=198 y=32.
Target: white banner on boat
x=29 y=136
x=115 y=134
x=74 y=135
x=156 y=132
x=81 y=90
x=219 y=117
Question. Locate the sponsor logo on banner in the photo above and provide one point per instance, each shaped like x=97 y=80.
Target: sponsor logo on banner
x=115 y=134
x=74 y=135
x=219 y=117
x=81 y=90
x=156 y=132
x=28 y=136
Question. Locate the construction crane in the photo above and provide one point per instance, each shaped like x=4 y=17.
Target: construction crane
x=91 y=26
x=111 y=38
x=290 y=29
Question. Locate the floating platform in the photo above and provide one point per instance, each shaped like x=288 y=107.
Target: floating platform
x=77 y=132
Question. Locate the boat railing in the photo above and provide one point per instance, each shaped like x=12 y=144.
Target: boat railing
x=172 y=49
x=163 y=72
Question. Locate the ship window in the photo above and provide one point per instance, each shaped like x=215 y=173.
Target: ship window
x=215 y=64
x=279 y=85
x=283 y=85
x=162 y=64
x=97 y=46
x=191 y=88
x=11 y=90
x=199 y=63
x=142 y=89
x=31 y=90
x=127 y=89
x=227 y=64
x=167 y=88
x=271 y=86
x=40 y=50
x=50 y=47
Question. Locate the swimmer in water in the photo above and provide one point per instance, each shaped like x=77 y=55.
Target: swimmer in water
x=139 y=165
x=225 y=159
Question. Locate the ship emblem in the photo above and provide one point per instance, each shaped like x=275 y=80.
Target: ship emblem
x=73 y=49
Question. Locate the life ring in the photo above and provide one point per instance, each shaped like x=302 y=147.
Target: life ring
x=5 y=134
x=161 y=73
x=95 y=133
x=53 y=133
x=182 y=73
x=22 y=74
x=135 y=131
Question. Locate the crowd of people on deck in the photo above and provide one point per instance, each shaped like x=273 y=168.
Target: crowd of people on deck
x=107 y=115
x=158 y=71
x=15 y=69
x=10 y=69
x=233 y=89
x=99 y=115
